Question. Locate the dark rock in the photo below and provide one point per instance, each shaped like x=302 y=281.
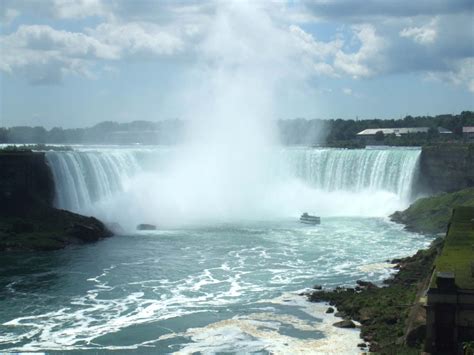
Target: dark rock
x=362 y=345
x=146 y=227
x=317 y=287
x=416 y=335
x=89 y=231
x=330 y=310
x=366 y=284
x=345 y=324
x=374 y=347
x=340 y=314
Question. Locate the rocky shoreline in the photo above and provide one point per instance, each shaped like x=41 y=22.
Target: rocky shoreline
x=390 y=316
x=47 y=228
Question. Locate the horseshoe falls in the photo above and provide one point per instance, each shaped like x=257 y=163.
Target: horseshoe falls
x=289 y=180
x=223 y=271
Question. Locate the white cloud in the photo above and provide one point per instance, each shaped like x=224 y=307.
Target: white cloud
x=362 y=63
x=347 y=91
x=138 y=38
x=7 y=15
x=40 y=51
x=330 y=58
x=423 y=35
x=461 y=73
x=69 y=9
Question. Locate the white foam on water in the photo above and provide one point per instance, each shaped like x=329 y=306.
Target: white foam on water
x=261 y=332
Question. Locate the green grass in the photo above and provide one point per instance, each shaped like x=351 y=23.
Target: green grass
x=431 y=215
x=458 y=251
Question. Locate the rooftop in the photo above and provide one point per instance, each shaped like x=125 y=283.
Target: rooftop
x=468 y=130
x=400 y=131
x=457 y=255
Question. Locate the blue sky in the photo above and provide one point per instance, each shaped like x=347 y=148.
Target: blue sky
x=74 y=63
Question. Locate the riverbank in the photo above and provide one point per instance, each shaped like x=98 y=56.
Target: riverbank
x=431 y=215
x=391 y=319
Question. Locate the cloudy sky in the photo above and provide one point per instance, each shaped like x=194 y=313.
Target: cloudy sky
x=74 y=63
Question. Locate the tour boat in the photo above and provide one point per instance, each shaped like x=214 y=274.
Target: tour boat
x=308 y=219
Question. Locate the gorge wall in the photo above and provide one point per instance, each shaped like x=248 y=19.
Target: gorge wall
x=25 y=180
x=446 y=168
x=28 y=220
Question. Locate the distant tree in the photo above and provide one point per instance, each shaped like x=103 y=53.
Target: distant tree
x=433 y=133
x=379 y=136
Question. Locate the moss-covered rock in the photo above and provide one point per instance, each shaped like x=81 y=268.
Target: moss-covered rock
x=431 y=215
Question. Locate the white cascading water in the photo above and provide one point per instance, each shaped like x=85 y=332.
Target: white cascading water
x=83 y=178
x=330 y=182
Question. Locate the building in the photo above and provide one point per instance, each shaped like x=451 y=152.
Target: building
x=369 y=136
x=468 y=134
x=450 y=296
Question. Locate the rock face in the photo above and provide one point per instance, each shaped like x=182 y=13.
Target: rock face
x=25 y=178
x=28 y=220
x=446 y=168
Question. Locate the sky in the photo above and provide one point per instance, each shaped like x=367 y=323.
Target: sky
x=74 y=63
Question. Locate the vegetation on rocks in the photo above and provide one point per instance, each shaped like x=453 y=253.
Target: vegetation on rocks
x=386 y=314
x=431 y=215
x=48 y=228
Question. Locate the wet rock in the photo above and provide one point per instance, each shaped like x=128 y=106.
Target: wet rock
x=146 y=227
x=365 y=284
x=340 y=315
x=317 y=287
x=345 y=324
x=330 y=310
x=362 y=345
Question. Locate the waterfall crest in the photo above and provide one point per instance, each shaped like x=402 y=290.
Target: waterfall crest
x=297 y=179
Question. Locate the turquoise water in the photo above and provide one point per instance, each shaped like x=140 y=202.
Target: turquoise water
x=217 y=288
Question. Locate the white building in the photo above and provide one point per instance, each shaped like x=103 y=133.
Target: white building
x=368 y=135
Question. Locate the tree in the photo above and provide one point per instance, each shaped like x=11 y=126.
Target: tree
x=379 y=136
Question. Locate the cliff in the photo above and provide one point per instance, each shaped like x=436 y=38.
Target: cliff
x=28 y=220
x=446 y=167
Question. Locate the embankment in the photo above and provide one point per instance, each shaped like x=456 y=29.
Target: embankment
x=392 y=322
x=431 y=215
x=28 y=220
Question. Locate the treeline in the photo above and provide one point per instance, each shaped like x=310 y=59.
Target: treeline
x=108 y=132
x=334 y=132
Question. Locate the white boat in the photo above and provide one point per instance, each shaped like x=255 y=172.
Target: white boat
x=308 y=219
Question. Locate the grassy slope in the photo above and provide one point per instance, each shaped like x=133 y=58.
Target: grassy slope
x=457 y=254
x=431 y=215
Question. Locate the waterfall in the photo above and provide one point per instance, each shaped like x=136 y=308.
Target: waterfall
x=85 y=178
x=356 y=170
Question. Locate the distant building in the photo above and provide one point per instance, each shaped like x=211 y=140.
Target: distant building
x=369 y=136
x=468 y=134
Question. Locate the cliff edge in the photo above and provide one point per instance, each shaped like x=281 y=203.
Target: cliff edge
x=28 y=220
